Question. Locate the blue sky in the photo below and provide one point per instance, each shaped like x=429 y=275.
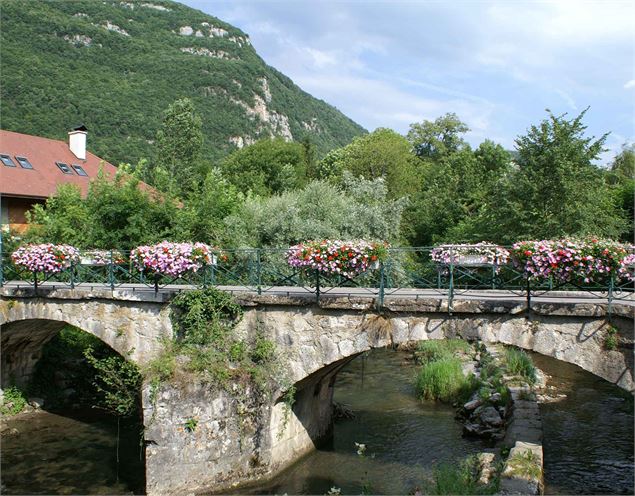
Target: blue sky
x=497 y=64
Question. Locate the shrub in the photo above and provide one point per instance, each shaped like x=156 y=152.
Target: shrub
x=13 y=401
x=444 y=380
x=263 y=351
x=519 y=363
x=459 y=478
x=611 y=340
x=433 y=350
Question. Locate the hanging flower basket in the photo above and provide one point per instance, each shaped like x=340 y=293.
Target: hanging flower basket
x=101 y=257
x=336 y=257
x=470 y=255
x=579 y=261
x=172 y=259
x=47 y=258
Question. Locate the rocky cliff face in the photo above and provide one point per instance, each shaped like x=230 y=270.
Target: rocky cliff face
x=115 y=67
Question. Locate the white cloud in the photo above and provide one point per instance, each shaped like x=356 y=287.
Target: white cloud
x=630 y=84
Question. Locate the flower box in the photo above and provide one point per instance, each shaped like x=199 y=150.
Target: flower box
x=474 y=255
x=48 y=258
x=336 y=257
x=172 y=259
x=101 y=258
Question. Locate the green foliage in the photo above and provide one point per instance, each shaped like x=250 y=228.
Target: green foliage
x=118 y=85
x=267 y=167
x=517 y=362
x=190 y=424
x=359 y=209
x=118 y=382
x=555 y=191
x=179 y=142
x=13 y=401
x=439 y=139
x=380 y=154
x=611 y=341
x=459 y=478
x=621 y=179
x=455 y=189
x=525 y=464
x=433 y=350
x=444 y=380
x=115 y=214
x=204 y=317
x=201 y=218
x=263 y=350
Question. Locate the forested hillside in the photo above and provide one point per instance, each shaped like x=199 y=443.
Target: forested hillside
x=115 y=66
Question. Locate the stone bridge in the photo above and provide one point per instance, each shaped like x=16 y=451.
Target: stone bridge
x=316 y=339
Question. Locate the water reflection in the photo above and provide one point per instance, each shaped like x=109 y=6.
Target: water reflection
x=588 y=436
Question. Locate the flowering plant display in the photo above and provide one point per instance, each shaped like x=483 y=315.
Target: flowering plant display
x=347 y=258
x=45 y=257
x=172 y=259
x=568 y=260
x=101 y=257
x=480 y=253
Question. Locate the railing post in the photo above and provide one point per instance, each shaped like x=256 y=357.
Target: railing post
x=72 y=276
x=258 y=271
x=111 y=272
x=609 y=309
x=528 y=289
x=380 y=300
x=212 y=279
x=451 y=289
x=317 y=285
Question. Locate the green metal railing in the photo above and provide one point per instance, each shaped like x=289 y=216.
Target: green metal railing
x=262 y=270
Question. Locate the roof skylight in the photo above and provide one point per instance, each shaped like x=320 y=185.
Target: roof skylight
x=24 y=162
x=6 y=160
x=64 y=168
x=79 y=169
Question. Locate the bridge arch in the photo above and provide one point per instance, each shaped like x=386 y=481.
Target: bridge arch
x=132 y=329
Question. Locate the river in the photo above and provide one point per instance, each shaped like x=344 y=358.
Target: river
x=588 y=444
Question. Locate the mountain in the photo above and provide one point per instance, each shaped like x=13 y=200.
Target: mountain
x=115 y=66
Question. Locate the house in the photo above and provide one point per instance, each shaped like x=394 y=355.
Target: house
x=32 y=167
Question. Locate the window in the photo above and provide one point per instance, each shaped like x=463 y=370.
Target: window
x=6 y=160
x=24 y=163
x=80 y=171
x=64 y=168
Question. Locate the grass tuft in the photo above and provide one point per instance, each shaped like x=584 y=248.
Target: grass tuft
x=517 y=362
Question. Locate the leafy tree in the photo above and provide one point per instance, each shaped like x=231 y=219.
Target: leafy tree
x=201 y=218
x=267 y=167
x=382 y=153
x=117 y=213
x=454 y=191
x=359 y=208
x=438 y=139
x=179 y=144
x=621 y=177
x=63 y=219
x=556 y=189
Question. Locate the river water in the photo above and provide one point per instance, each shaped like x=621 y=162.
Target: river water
x=404 y=437
x=588 y=443
x=588 y=436
x=55 y=454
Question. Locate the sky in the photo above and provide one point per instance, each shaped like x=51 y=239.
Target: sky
x=497 y=64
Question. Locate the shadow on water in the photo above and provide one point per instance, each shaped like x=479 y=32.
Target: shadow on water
x=588 y=436
x=71 y=453
x=404 y=437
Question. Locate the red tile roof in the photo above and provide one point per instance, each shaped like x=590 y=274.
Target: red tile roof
x=43 y=179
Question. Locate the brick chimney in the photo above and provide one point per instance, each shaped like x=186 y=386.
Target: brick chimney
x=77 y=141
